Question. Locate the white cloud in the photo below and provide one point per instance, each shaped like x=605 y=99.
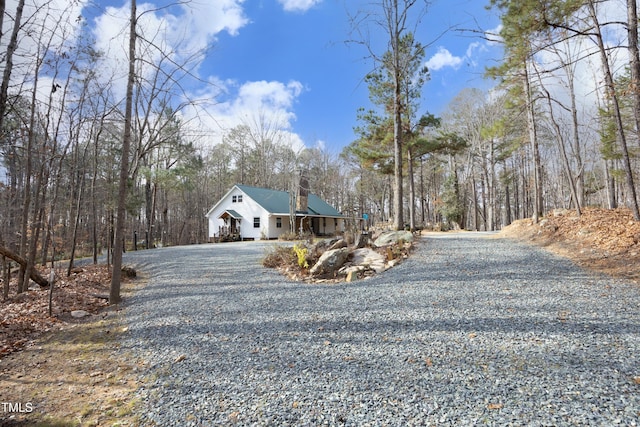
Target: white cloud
x=493 y=36
x=47 y=28
x=187 y=30
x=473 y=50
x=180 y=31
x=234 y=104
x=48 y=33
x=273 y=95
x=443 y=58
x=298 y=5
x=260 y=97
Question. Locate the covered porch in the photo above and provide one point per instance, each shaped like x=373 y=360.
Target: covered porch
x=231 y=230
x=318 y=225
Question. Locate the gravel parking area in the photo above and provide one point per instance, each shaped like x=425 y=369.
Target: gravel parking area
x=469 y=331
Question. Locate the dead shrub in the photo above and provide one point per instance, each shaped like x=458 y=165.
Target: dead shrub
x=289 y=236
x=279 y=256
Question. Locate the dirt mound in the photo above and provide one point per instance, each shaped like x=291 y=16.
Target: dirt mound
x=606 y=240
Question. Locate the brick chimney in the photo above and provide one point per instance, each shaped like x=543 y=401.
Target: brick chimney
x=302 y=196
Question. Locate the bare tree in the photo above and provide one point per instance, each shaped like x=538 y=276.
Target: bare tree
x=634 y=61
x=114 y=293
x=615 y=106
x=11 y=48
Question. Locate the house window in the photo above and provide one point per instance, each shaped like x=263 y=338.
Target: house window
x=278 y=222
x=234 y=199
x=256 y=222
x=239 y=198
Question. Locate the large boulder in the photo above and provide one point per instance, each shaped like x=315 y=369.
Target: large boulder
x=368 y=258
x=321 y=246
x=392 y=237
x=338 y=245
x=330 y=262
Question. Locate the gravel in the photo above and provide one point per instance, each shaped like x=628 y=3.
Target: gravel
x=471 y=330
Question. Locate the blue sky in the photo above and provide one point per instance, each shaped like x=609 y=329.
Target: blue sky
x=310 y=46
x=291 y=58
x=288 y=61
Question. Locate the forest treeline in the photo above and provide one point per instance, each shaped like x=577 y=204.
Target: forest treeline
x=559 y=130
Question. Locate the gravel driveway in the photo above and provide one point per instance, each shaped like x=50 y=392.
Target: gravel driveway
x=469 y=331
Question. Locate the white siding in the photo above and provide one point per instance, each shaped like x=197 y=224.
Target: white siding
x=248 y=209
x=274 y=231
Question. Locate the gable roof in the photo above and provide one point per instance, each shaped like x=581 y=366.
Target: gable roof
x=230 y=213
x=277 y=202
x=273 y=201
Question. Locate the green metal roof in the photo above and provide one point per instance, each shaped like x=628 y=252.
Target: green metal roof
x=277 y=202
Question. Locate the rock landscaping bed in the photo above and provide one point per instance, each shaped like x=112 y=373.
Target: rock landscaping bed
x=341 y=259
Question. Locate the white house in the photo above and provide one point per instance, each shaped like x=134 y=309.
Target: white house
x=252 y=213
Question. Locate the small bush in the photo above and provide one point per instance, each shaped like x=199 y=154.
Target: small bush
x=301 y=253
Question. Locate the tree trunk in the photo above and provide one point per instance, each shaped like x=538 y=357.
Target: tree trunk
x=395 y=30
x=634 y=61
x=398 y=214
x=149 y=210
x=507 y=203
x=114 y=293
x=94 y=204
x=412 y=191
x=611 y=186
x=483 y=191
x=524 y=188
x=76 y=223
x=579 y=178
x=565 y=158
x=6 y=277
x=26 y=202
x=38 y=214
x=456 y=191
x=165 y=232
x=476 y=208
x=533 y=140
x=11 y=48
x=35 y=276
x=2 y=9
x=621 y=137
x=423 y=216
